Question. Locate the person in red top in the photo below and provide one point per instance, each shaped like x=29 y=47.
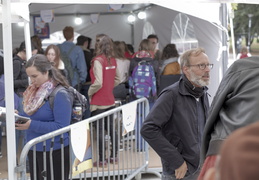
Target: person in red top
x=243 y=53
x=127 y=52
x=104 y=76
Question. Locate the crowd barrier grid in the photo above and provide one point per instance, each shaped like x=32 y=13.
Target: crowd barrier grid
x=126 y=156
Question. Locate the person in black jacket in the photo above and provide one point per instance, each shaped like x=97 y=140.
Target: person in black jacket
x=19 y=61
x=84 y=43
x=174 y=126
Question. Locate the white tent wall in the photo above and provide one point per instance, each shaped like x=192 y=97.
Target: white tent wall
x=208 y=34
x=17 y=34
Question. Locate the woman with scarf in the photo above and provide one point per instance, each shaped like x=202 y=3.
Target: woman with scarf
x=43 y=119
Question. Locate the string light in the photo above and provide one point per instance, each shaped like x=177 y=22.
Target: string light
x=142 y=15
x=78 y=20
x=131 y=18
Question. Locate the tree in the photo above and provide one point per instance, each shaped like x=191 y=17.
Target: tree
x=241 y=21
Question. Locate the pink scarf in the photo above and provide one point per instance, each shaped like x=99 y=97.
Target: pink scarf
x=33 y=97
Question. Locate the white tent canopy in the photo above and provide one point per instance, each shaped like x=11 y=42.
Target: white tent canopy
x=207 y=28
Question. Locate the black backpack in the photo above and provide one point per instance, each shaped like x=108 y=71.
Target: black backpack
x=79 y=105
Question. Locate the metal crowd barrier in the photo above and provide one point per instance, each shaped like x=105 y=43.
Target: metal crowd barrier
x=105 y=132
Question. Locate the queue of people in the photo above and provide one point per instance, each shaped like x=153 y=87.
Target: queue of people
x=181 y=127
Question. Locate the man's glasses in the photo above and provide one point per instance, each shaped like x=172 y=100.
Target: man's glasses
x=203 y=66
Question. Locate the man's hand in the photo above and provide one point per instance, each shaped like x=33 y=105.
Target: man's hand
x=181 y=171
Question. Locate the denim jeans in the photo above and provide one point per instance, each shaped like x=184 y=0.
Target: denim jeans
x=139 y=121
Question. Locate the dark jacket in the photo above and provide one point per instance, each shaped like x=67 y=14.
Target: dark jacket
x=235 y=104
x=88 y=59
x=171 y=128
x=19 y=74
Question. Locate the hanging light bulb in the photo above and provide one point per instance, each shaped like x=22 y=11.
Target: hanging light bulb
x=131 y=18
x=78 y=20
x=142 y=15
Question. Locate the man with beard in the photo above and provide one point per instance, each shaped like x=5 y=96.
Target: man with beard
x=174 y=126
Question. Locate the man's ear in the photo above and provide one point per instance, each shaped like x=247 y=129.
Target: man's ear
x=210 y=174
x=185 y=70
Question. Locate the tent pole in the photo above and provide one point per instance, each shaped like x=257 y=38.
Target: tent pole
x=8 y=67
x=232 y=31
x=27 y=39
x=132 y=34
x=224 y=37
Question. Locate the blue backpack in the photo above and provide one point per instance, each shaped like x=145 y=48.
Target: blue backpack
x=142 y=82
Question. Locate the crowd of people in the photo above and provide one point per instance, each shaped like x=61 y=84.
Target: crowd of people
x=181 y=127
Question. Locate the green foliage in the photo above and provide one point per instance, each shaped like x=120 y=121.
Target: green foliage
x=234 y=6
x=241 y=19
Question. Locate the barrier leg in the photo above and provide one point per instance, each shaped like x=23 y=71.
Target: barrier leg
x=138 y=176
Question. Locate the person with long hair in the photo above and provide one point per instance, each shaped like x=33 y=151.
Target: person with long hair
x=53 y=54
x=169 y=59
x=121 y=91
x=36 y=39
x=170 y=70
x=43 y=119
x=145 y=55
x=104 y=76
x=144 y=50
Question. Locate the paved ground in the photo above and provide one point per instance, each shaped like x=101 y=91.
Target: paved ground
x=154 y=164
x=150 y=177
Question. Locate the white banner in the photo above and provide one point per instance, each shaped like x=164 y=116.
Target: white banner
x=129 y=117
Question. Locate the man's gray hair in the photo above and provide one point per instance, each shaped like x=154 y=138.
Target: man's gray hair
x=185 y=57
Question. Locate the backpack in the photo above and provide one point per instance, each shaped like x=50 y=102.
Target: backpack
x=79 y=105
x=143 y=80
x=67 y=61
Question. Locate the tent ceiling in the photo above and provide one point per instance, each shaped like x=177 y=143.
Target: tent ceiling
x=60 y=9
